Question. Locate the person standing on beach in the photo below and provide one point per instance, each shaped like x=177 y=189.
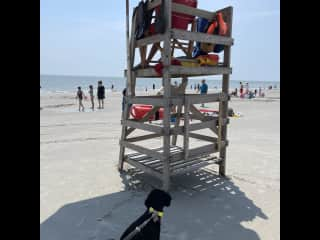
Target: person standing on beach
x=203 y=89
x=101 y=94
x=112 y=87
x=91 y=97
x=241 y=90
x=153 y=87
x=124 y=93
x=247 y=88
x=80 y=96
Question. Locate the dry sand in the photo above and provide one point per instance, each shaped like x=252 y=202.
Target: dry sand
x=83 y=196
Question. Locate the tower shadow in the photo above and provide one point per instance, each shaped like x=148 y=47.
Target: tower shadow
x=204 y=206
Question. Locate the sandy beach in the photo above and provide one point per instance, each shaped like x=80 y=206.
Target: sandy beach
x=84 y=197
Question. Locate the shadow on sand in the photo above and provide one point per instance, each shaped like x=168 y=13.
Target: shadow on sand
x=204 y=206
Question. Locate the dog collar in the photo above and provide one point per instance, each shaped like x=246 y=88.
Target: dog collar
x=159 y=214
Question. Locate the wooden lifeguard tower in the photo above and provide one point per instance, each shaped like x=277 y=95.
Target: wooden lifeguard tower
x=170 y=159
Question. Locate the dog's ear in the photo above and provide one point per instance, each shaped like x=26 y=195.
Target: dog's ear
x=151 y=198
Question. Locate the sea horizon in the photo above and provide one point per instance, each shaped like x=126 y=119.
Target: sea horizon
x=61 y=82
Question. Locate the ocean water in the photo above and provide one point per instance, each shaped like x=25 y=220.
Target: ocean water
x=59 y=83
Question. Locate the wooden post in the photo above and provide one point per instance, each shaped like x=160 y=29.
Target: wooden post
x=223 y=105
x=186 y=128
x=181 y=92
x=125 y=113
x=166 y=59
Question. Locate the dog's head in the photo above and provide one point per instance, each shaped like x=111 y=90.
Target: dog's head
x=158 y=199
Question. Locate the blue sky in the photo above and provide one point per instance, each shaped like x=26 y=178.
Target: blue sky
x=81 y=37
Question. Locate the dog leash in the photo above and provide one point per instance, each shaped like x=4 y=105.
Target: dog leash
x=141 y=226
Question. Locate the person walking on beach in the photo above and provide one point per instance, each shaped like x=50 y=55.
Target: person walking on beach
x=203 y=89
x=153 y=87
x=112 y=87
x=91 y=97
x=80 y=96
x=198 y=87
x=101 y=94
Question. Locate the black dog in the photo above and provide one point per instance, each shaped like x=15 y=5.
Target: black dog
x=156 y=200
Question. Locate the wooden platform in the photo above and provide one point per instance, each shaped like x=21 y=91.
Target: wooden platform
x=155 y=166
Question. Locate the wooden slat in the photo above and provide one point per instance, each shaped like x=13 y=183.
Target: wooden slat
x=166 y=58
x=212 y=97
x=150 y=100
x=193 y=11
x=189 y=163
x=178 y=71
x=144 y=168
x=144 y=137
x=129 y=131
x=203 y=137
x=150 y=40
x=202 y=125
x=201 y=37
x=143 y=126
x=207 y=149
x=196 y=112
x=199 y=71
x=223 y=106
x=189 y=169
x=151 y=153
x=194 y=127
x=186 y=128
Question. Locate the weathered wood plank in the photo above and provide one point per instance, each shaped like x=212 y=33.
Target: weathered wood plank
x=201 y=37
x=144 y=168
x=223 y=106
x=166 y=58
x=151 y=153
x=212 y=97
x=178 y=71
x=144 y=137
x=125 y=113
x=150 y=40
x=202 y=125
x=150 y=100
x=203 y=137
x=189 y=169
x=129 y=131
x=176 y=7
x=188 y=163
x=198 y=71
x=143 y=126
x=187 y=128
x=201 y=117
x=203 y=150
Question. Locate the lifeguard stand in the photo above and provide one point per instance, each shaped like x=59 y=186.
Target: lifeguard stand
x=169 y=159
